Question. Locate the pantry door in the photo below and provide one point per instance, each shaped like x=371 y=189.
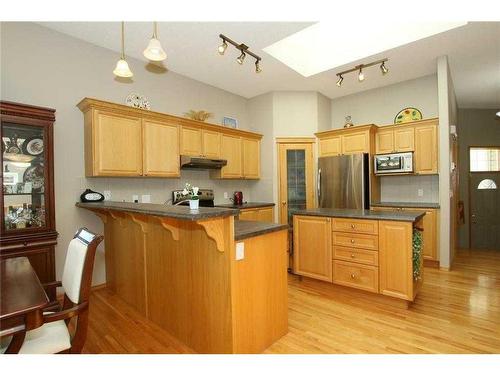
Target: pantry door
x=295 y=176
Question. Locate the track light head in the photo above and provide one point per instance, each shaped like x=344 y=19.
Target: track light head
x=361 y=75
x=222 y=47
x=241 y=58
x=383 y=68
x=258 y=69
x=339 y=82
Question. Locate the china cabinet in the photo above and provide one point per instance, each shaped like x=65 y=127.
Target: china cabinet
x=27 y=200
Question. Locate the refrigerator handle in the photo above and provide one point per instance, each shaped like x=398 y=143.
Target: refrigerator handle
x=319 y=185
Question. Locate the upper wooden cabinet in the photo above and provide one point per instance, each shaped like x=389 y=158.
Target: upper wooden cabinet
x=384 y=141
x=404 y=139
x=398 y=138
x=114 y=146
x=126 y=141
x=160 y=149
x=426 y=149
x=353 y=140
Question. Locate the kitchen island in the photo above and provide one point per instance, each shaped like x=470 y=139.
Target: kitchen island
x=367 y=250
x=181 y=270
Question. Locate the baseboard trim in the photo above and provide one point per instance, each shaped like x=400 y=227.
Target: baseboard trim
x=60 y=296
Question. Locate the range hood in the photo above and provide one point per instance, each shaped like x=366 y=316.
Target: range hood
x=197 y=162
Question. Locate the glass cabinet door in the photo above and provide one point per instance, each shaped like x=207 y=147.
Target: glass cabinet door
x=24 y=177
x=296 y=181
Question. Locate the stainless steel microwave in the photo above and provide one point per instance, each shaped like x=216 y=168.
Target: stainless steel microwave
x=394 y=163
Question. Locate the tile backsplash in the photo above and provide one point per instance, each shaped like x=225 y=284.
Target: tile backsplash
x=160 y=189
x=406 y=188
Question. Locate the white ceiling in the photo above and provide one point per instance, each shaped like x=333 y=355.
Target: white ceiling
x=473 y=51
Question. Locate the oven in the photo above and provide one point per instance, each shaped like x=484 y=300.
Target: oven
x=394 y=163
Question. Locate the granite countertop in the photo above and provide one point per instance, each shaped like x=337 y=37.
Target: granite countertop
x=175 y=212
x=406 y=204
x=246 y=229
x=245 y=205
x=362 y=214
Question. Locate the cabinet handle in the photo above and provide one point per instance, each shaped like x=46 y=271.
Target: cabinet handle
x=352 y=241
x=353 y=226
x=353 y=276
x=352 y=255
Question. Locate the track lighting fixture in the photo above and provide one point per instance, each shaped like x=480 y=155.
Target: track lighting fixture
x=241 y=58
x=258 y=69
x=122 y=69
x=244 y=52
x=154 y=52
x=359 y=69
x=223 y=47
x=339 y=82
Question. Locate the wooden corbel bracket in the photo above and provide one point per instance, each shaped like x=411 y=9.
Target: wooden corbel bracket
x=170 y=225
x=214 y=230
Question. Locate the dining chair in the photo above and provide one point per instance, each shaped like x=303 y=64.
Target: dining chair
x=56 y=335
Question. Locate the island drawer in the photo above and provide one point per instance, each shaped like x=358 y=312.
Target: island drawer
x=354 y=275
x=359 y=241
x=351 y=254
x=355 y=225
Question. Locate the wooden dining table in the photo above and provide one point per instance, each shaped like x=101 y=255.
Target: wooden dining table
x=22 y=300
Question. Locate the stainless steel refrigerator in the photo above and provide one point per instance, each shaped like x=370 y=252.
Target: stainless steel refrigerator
x=344 y=181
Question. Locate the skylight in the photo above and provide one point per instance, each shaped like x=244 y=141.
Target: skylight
x=326 y=45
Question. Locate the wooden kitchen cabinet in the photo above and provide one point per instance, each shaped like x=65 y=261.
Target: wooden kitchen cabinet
x=211 y=142
x=160 y=149
x=251 y=158
x=358 y=139
x=384 y=141
x=426 y=149
x=395 y=259
x=312 y=247
x=190 y=141
x=257 y=214
x=231 y=150
x=355 y=143
x=330 y=146
x=404 y=139
x=114 y=144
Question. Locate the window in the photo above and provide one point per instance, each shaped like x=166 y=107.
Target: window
x=487 y=184
x=484 y=159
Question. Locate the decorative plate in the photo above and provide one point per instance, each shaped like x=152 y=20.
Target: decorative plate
x=35 y=175
x=33 y=146
x=407 y=115
x=137 y=101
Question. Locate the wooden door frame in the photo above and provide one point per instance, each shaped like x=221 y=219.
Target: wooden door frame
x=469 y=186
x=296 y=141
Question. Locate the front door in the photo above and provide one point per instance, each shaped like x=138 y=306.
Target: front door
x=485 y=210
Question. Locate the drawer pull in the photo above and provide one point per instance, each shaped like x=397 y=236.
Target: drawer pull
x=352 y=241
x=353 y=256
x=353 y=226
x=353 y=276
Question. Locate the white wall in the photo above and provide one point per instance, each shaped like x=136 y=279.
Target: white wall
x=379 y=106
x=45 y=68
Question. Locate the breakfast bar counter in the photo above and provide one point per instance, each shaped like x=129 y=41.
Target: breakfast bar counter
x=180 y=269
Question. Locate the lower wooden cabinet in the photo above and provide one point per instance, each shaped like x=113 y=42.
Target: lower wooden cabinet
x=257 y=214
x=359 y=276
x=312 y=247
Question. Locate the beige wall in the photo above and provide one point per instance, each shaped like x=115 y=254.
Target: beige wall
x=380 y=106
x=476 y=127
x=43 y=67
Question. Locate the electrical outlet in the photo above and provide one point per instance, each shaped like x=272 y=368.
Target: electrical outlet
x=107 y=195
x=226 y=195
x=240 y=250
x=420 y=192
x=135 y=198
x=146 y=198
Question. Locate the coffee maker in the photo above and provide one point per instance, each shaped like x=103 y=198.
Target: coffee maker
x=238 y=198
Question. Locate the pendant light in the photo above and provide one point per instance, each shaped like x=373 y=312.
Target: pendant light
x=154 y=52
x=122 y=69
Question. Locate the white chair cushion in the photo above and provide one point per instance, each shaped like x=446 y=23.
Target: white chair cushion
x=73 y=269
x=48 y=339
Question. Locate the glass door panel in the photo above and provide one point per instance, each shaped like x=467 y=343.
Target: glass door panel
x=24 y=176
x=296 y=181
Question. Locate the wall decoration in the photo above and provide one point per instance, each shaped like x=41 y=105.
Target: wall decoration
x=198 y=115
x=407 y=115
x=348 y=122
x=138 y=101
x=230 y=122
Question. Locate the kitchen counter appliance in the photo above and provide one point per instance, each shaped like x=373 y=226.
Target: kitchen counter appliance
x=394 y=163
x=237 y=198
x=195 y=162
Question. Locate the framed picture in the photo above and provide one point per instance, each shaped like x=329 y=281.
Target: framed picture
x=230 y=122
x=10 y=178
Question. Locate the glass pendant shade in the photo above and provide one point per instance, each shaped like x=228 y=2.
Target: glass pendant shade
x=122 y=69
x=154 y=52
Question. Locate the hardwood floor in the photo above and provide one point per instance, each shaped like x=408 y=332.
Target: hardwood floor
x=457 y=311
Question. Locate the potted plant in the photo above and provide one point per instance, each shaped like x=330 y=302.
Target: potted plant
x=192 y=194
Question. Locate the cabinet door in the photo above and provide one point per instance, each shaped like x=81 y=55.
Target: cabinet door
x=250 y=214
x=395 y=259
x=312 y=247
x=190 y=141
x=231 y=151
x=429 y=234
x=161 y=149
x=404 y=139
x=355 y=143
x=266 y=214
x=330 y=146
x=384 y=141
x=117 y=145
x=251 y=158
x=211 y=144
x=426 y=150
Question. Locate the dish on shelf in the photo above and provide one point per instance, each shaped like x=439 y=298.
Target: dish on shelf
x=33 y=146
x=407 y=115
x=35 y=174
x=138 y=101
